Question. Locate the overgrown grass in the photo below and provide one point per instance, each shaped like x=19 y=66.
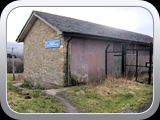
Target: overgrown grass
x=31 y=101
x=112 y=96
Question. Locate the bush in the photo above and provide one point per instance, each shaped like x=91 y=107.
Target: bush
x=18 y=65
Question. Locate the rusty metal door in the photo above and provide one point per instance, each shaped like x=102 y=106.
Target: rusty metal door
x=117 y=65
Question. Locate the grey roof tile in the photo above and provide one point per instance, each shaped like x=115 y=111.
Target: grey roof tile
x=67 y=24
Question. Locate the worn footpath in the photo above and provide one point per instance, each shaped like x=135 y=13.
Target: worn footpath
x=55 y=93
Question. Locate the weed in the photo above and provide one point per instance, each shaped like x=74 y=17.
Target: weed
x=114 y=95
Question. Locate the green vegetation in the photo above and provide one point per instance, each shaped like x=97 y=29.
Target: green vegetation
x=31 y=101
x=112 y=96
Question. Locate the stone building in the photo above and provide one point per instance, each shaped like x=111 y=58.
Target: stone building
x=59 y=49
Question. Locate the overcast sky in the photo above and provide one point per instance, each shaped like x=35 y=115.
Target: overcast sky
x=136 y=19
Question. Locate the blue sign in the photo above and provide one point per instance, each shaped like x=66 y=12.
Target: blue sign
x=52 y=43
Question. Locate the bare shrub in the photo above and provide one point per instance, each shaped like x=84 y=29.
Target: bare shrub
x=20 y=77
x=108 y=86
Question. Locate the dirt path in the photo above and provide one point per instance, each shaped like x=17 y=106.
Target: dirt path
x=69 y=107
x=18 y=85
x=55 y=93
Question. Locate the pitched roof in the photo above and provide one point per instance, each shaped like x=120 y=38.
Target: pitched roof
x=71 y=25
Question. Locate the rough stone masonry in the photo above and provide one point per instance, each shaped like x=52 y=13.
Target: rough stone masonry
x=43 y=67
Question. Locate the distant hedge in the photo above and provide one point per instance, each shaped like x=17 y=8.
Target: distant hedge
x=18 y=65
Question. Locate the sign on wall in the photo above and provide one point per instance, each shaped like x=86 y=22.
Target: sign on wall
x=52 y=43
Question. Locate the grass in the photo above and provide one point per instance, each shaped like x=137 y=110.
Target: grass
x=112 y=96
x=31 y=101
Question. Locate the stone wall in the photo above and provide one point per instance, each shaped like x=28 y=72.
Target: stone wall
x=43 y=67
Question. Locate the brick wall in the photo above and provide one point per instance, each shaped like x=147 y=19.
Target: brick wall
x=88 y=59
x=43 y=67
x=131 y=60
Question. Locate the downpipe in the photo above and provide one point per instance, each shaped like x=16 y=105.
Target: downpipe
x=67 y=56
x=106 y=59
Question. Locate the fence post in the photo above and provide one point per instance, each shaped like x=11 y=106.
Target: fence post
x=123 y=58
x=150 y=62
x=136 y=64
x=13 y=67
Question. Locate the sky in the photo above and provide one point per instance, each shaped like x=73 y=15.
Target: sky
x=135 y=19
